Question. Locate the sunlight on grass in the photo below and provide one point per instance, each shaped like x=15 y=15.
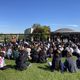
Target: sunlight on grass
x=36 y=72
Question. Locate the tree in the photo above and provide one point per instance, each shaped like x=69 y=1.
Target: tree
x=35 y=25
x=46 y=32
x=41 y=32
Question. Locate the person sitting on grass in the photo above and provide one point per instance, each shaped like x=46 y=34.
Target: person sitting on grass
x=28 y=50
x=34 y=55
x=22 y=61
x=50 y=51
x=42 y=55
x=69 y=63
x=9 y=52
x=56 y=61
x=77 y=54
x=15 y=53
x=2 y=62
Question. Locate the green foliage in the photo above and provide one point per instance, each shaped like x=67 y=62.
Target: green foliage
x=41 y=32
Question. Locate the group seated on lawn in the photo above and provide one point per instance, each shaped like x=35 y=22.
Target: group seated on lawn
x=24 y=53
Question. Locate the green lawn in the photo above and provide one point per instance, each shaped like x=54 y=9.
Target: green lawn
x=36 y=72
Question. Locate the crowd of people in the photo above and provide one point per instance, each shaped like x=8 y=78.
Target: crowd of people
x=24 y=53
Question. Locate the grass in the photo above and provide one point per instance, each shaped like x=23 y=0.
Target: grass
x=36 y=72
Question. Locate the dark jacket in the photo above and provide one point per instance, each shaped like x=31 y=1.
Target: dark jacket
x=42 y=56
x=22 y=60
x=56 y=61
x=34 y=55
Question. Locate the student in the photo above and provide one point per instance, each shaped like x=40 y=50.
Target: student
x=56 y=61
x=78 y=62
x=77 y=54
x=34 y=55
x=15 y=53
x=22 y=61
x=3 y=49
x=28 y=49
x=42 y=55
x=9 y=52
x=69 y=64
x=50 y=51
x=2 y=62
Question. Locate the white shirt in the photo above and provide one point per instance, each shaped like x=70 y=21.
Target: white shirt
x=9 y=51
x=28 y=50
x=77 y=50
x=2 y=63
x=69 y=49
x=61 y=49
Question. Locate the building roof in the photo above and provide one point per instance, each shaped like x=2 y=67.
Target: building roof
x=64 y=30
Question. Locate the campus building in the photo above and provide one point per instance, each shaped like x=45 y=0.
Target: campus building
x=27 y=34
x=64 y=33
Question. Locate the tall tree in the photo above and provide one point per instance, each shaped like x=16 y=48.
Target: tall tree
x=41 y=32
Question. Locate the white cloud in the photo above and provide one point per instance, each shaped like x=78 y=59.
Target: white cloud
x=73 y=25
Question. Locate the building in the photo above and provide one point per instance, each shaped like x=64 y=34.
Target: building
x=68 y=33
x=28 y=31
x=27 y=34
x=64 y=30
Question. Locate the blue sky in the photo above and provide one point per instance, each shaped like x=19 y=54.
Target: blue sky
x=17 y=15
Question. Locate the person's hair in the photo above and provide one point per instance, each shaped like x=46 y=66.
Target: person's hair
x=1 y=54
x=69 y=54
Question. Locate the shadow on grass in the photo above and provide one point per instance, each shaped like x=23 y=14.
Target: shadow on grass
x=11 y=66
x=46 y=68
x=14 y=67
x=8 y=67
